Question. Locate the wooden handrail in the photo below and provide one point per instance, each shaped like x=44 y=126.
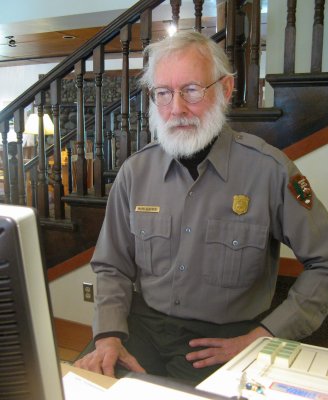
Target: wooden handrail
x=67 y=65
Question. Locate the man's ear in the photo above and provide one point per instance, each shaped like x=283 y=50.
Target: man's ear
x=228 y=84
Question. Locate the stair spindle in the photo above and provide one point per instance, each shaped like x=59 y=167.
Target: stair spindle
x=145 y=34
x=42 y=185
x=240 y=56
x=4 y=129
x=175 y=6
x=69 y=169
x=231 y=32
x=125 y=134
x=81 y=162
x=98 y=163
x=317 y=36
x=108 y=130
x=254 y=66
x=19 y=127
x=198 y=14
x=290 y=38
x=55 y=95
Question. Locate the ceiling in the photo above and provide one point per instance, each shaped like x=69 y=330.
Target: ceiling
x=52 y=46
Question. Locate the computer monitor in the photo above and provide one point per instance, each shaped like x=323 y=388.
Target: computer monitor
x=29 y=366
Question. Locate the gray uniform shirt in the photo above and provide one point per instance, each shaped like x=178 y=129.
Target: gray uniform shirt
x=193 y=256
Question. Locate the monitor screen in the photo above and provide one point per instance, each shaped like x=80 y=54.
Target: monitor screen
x=29 y=366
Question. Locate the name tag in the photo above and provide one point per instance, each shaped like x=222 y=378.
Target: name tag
x=148 y=209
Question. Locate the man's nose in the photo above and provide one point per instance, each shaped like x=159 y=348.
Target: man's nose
x=178 y=105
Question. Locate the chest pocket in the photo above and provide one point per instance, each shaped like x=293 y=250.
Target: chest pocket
x=236 y=251
x=152 y=242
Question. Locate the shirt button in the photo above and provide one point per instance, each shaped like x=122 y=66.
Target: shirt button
x=235 y=243
x=142 y=232
x=177 y=302
x=182 y=267
x=190 y=194
x=188 y=230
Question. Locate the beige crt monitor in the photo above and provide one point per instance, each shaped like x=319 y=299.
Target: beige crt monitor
x=29 y=367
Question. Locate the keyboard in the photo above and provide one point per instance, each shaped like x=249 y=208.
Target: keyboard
x=273 y=369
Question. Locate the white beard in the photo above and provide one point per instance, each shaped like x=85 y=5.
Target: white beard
x=186 y=142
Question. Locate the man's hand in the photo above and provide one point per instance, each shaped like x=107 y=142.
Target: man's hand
x=219 y=351
x=109 y=352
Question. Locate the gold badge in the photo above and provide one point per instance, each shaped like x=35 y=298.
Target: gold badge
x=148 y=209
x=240 y=204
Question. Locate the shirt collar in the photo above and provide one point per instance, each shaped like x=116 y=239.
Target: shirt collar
x=220 y=153
x=218 y=156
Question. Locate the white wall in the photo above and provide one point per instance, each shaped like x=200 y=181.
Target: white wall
x=34 y=9
x=67 y=296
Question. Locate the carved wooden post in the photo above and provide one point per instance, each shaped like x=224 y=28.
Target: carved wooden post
x=145 y=34
x=4 y=129
x=13 y=172
x=43 y=199
x=138 y=120
x=55 y=93
x=98 y=163
x=81 y=162
x=19 y=129
x=290 y=37
x=240 y=59
x=317 y=36
x=175 y=5
x=108 y=127
x=254 y=66
x=198 y=14
x=69 y=168
x=116 y=134
x=125 y=135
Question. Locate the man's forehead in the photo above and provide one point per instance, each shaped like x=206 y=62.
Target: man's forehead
x=187 y=66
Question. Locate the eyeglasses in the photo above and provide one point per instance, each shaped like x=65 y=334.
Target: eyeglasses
x=163 y=96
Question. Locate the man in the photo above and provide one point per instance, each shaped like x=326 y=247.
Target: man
x=194 y=223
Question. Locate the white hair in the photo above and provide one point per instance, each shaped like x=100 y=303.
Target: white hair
x=180 y=41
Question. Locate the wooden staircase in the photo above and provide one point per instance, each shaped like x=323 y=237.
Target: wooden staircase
x=71 y=218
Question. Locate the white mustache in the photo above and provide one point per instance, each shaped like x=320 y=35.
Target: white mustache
x=183 y=121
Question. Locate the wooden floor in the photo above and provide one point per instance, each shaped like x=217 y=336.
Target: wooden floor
x=72 y=338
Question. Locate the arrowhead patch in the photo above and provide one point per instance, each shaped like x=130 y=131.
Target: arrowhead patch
x=301 y=190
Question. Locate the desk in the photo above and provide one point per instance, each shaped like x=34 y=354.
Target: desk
x=101 y=380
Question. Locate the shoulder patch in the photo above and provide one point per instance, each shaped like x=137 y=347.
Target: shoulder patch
x=301 y=190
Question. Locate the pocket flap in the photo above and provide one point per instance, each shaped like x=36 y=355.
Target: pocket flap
x=146 y=226
x=236 y=235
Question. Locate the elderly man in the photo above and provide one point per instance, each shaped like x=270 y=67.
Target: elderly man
x=187 y=257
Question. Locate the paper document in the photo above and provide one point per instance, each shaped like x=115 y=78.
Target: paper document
x=78 y=388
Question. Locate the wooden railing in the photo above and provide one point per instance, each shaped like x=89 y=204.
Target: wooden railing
x=243 y=52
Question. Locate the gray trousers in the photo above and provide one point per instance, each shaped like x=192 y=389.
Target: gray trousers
x=160 y=342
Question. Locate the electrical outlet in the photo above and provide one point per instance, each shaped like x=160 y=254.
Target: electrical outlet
x=88 y=292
